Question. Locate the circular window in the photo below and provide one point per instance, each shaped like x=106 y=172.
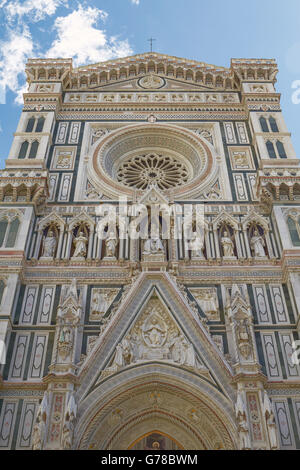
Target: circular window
x=129 y=160
x=145 y=170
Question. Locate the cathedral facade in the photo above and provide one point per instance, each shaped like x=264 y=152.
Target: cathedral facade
x=150 y=259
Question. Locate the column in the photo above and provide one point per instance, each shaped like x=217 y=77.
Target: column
x=217 y=246
x=90 y=245
x=238 y=245
x=60 y=240
x=246 y=242
x=38 y=244
x=68 y=245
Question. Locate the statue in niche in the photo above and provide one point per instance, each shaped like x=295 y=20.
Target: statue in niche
x=271 y=426
x=257 y=244
x=37 y=434
x=244 y=340
x=80 y=243
x=39 y=428
x=227 y=245
x=49 y=245
x=243 y=431
x=270 y=421
x=69 y=424
x=111 y=245
x=153 y=246
x=242 y=424
x=66 y=336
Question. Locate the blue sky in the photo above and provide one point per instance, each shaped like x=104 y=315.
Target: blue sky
x=92 y=31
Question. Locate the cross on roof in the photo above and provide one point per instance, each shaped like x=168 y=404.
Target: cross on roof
x=151 y=42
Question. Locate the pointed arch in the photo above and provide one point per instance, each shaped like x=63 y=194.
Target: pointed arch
x=52 y=218
x=224 y=217
x=253 y=217
x=179 y=311
x=185 y=405
x=83 y=217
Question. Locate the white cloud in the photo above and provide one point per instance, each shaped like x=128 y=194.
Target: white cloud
x=13 y=57
x=79 y=37
x=36 y=9
x=136 y=2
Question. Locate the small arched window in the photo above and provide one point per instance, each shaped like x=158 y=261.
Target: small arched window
x=12 y=234
x=40 y=124
x=33 y=149
x=2 y=287
x=271 y=150
x=3 y=228
x=273 y=124
x=293 y=231
x=23 y=149
x=280 y=149
x=263 y=124
x=30 y=124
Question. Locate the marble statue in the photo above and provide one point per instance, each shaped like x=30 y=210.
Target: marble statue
x=111 y=245
x=39 y=428
x=257 y=244
x=80 y=243
x=242 y=424
x=209 y=301
x=69 y=424
x=100 y=303
x=49 y=245
x=227 y=245
x=190 y=357
x=124 y=355
x=153 y=246
x=270 y=421
x=177 y=350
x=196 y=244
x=66 y=335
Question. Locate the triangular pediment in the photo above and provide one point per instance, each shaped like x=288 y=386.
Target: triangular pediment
x=155 y=324
x=153 y=196
x=147 y=57
x=151 y=71
x=155 y=336
x=167 y=84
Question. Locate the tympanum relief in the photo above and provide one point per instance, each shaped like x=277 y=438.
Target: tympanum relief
x=155 y=336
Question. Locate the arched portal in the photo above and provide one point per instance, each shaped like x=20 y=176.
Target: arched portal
x=185 y=409
x=155 y=440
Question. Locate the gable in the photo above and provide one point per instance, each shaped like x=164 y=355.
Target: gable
x=166 y=84
x=130 y=333
x=151 y=71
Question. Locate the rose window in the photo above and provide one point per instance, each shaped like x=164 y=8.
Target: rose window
x=143 y=171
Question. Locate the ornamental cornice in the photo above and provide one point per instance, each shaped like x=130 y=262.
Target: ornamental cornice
x=161 y=106
x=35 y=182
x=263 y=107
x=162 y=115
